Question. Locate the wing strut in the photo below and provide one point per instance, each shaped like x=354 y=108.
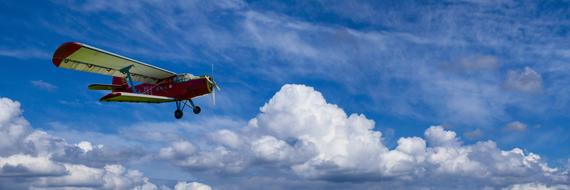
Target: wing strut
x=127 y=72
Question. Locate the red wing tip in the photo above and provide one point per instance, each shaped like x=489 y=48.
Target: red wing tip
x=63 y=51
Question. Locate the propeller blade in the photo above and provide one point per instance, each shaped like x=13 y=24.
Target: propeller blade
x=214 y=97
x=214 y=85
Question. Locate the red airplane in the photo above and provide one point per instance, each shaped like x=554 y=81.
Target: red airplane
x=158 y=85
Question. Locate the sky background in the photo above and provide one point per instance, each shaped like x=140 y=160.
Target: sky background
x=386 y=94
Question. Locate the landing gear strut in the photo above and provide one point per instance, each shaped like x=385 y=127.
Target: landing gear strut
x=180 y=108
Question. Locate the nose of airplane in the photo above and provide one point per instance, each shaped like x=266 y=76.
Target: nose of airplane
x=212 y=83
x=211 y=86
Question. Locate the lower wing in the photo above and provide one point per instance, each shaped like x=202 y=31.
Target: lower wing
x=137 y=98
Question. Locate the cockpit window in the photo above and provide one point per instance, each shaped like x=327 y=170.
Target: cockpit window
x=183 y=78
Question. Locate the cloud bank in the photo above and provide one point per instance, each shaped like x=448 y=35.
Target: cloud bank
x=298 y=134
x=297 y=140
x=34 y=159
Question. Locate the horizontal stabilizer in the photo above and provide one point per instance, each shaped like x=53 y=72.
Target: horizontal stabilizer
x=132 y=97
x=106 y=87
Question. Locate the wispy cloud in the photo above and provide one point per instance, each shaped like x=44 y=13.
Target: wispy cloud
x=429 y=64
x=516 y=126
x=43 y=85
x=24 y=53
x=475 y=134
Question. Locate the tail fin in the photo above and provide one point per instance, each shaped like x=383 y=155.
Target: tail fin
x=120 y=81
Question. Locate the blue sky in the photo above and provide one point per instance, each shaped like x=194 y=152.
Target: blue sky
x=484 y=70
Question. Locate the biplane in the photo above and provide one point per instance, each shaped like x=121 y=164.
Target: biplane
x=156 y=85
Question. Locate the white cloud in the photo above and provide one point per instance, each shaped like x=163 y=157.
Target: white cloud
x=270 y=148
x=26 y=165
x=11 y=111
x=24 y=53
x=537 y=186
x=470 y=100
x=516 y=126
x=227 y=138
x=12 y=126
x=437 y=136
x=526 y=80
x=34 y=159
x=191 y=186
x=86 y=146
x=297 y=133
x=43 y=85
x=477 y=133
x=178 y=149
x=300 y=133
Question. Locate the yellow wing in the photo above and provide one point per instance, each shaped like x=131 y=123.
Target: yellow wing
x=82 y=57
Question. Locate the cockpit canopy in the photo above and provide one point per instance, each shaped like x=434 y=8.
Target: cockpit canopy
x=183 y=77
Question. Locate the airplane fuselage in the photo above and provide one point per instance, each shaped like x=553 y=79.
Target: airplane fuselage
x=179 y=91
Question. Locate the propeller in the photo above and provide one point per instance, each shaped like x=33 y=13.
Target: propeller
x=214 y=85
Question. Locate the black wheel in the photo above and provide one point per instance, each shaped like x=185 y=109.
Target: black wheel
x=196 y=110
x=178 y=114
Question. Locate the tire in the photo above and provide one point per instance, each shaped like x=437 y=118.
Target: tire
x=178 y=114
x=196 y=110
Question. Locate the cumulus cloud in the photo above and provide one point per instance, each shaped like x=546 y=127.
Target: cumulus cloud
x=437 y=136
x=536 y=186
x=31 y=166
x=298 y=133
x=297 y=136
x=191 y=186
x=178 y=149
x=34 y=159
x=525 y=80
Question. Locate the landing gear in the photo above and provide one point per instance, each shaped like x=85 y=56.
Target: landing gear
x=178 y=114
x=196 y=109
x=180 y=108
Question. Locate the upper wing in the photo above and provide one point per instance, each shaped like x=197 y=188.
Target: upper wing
x=132 y=97
x=81 y=57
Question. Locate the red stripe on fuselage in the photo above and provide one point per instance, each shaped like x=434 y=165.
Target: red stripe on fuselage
x=64 y=51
